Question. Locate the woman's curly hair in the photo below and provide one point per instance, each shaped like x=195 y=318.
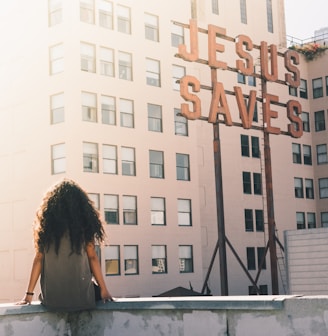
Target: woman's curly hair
x=67 y=209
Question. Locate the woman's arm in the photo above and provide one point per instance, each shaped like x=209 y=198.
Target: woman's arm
x=34 y=276
x=96 y=271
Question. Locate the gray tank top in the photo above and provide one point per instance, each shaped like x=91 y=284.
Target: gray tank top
x=66 y=279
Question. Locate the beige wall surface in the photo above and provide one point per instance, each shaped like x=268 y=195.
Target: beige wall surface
x=27 y=136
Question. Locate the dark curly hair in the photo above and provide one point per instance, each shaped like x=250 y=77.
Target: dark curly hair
x=67 y=209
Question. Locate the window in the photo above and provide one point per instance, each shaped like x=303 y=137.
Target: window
x=292 y=91
x=109 y=159
x=327 y=85
x=309 y=192
x=243 y=11
x=182 y=165
x=311 y=220
x=184 y=212
x=55 y=12
x=252 y=80
x=306 y=121
x=106 y=59
x=300 y=220
x=151 y=27
x=186 y=264
x=244 y=145
x=159 y=264
x=95 y=199
x=298 y=187
x=296 y=153
x=90 y=157
x=269 y=16
x=154 y=118
x=319 y=121
x=255 y=147
x=257 y=184
x=112 y=260
x=57 y=108
x=253 y=291
x=88 y=57
x=260 y=256
x=241 y=78
x=111 y=209
x=180 y=123
x=248 y=215
x=125 y=65
x=245 y=151
x=247 y=184
x=123 y=19
x=105 y=14
x=131 y=260
x=130 y=210
x=324 y=219
x=255 y=116
x=156 y=164
x=317 y=88
x=249 y=223
x=323 y=187
x=128 y=161
x=177 y=73
x=177 y=35
x=126 y=113
x=58 y=158
x=215 y=7
x=307 y=155
x=259 y=220
x=322 y=156
x=250 y=253
x=157 y=215
x=108 y=110
x=89 y=106
x=56 y=55
x=303 y=89
x=87 y=11
x=153 y=72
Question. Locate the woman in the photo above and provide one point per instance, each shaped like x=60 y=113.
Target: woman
x=66 y=228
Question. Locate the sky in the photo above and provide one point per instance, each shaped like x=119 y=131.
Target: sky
x=303 y=17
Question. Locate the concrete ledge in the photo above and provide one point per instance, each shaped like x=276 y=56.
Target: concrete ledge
x=162 y=303
x=184 y=316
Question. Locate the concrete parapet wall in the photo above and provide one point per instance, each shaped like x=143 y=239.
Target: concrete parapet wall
x=200 y=316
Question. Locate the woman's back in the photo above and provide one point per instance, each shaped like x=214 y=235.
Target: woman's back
x=66 y=279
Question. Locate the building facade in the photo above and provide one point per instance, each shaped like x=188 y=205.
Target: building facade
x=91 y=92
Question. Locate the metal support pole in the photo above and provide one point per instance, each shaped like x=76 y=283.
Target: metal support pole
x=220 y=210
x=270 y=204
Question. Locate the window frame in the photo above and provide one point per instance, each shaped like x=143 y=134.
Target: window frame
x=156 y=164
x=112 y=207
x=112 y=256
x=92 y=157
x=159 y=256
x=58 y=154
x=186 y=259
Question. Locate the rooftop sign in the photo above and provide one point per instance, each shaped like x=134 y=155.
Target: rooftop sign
x=244 y=64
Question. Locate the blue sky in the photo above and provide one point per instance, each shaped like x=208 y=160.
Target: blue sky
x=303 y=17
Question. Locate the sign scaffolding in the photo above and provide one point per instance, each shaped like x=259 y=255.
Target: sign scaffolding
x=219 y=112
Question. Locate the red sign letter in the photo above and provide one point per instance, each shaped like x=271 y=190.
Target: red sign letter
x=268 y=113
x=294 y=109
x=249 y=69
x=292 y=55
x=265 y=60
x=214 y=47
x=219 y=105
x=193 y=55
x=184 y=83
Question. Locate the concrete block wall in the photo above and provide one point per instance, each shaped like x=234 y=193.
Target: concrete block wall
x=210 y=316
